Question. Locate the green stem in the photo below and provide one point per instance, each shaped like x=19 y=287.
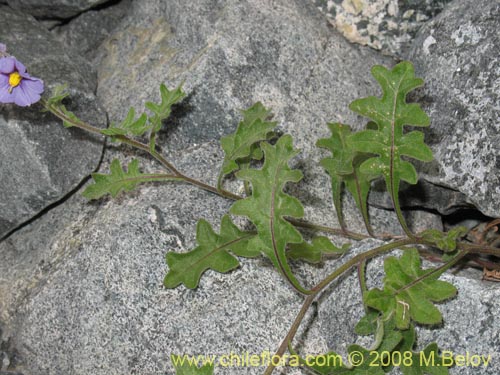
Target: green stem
x=362 y=280
x=395 y=202
x=325 y=282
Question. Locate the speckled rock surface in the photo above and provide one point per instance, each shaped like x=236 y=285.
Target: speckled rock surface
x=54 y=8
x=388 y=25
x=457 y=55
x=38 y=165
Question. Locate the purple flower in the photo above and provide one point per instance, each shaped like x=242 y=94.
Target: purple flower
x=17 y=86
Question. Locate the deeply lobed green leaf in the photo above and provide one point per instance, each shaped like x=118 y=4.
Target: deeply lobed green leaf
x=162 y=110
x=388 y=141
x=243 y=144
x=214 y=251
x=344 y=170
x=268 y=205
x=129 y=126
x=119 y=180
x=409 y=291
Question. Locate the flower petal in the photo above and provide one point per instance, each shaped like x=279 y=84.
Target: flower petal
x=34 y=85
x=4 y=81
x=19 y=66
x=5 y=96
x=7 y=64
x=27 y=93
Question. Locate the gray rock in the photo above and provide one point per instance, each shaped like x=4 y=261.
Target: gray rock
x=457 y=55
x=54 y=8
x=42 y=161
x=387 y=25
x=84 y=33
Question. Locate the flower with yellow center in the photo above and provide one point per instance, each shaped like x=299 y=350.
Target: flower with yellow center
x=16 y=85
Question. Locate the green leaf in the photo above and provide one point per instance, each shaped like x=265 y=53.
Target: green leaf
x=120 y=180
x=269 y=205
x=185 y=366
x=162 y=110
x=424 y=362
x=243 y=144
x=368 y=360
x=129 y=126
x=312 y=252
x=214 y=251
x=59 y=93
x=445 y=241
x=343 y=168
x=368 y=323
x=390 y=114
x=409 y=291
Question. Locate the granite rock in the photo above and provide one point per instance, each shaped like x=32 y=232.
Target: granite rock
x=41 y=161
x=387 y=25
x=58 y=9
x=457 y=55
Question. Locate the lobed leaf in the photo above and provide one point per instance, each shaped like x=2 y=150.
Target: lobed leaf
x=344 y=170
x=119 y=180
x=409 y=291
x=129 y=126
x=387 y=141
x=162 y=110
x=313 y=252
x=214 y=251
x=424 y=362
x=243 y=144
x=268 y=205
x=445 y=241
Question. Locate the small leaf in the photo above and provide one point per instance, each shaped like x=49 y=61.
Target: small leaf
x=188 y=366
x=424 y=362
x=162 y=111
x=409 y=291
x=120 y=180
x=59 y=93
x=445 y=241
x=129 y=126
x=214 y=251
x=243 y=144
x=313 y=252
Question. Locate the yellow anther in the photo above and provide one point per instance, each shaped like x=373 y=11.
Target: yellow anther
x=14 y=80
